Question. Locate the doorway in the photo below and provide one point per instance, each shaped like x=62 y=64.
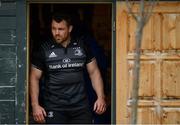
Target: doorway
x=90 y=18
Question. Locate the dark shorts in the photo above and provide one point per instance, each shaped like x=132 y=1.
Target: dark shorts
x=78 y=116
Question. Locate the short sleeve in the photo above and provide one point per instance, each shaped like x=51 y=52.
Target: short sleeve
x=37 y=60
x=89 y=51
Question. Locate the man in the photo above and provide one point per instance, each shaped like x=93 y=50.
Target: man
x=61 y=60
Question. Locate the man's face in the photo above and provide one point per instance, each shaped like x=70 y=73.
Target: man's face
x=61 y=31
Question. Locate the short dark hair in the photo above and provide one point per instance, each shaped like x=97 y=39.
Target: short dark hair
x=58 y=17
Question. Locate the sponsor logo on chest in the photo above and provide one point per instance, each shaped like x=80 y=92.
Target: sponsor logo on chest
x=66 y=60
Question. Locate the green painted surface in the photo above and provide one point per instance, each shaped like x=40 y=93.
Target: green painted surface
x=7 y=65
x=7 y=22
x=7 y=112
x=8 y=8
x=7 y=36
x=8 y=79
x=20 y=107
x=12 y=61
x=7 y=51
x=7 y=93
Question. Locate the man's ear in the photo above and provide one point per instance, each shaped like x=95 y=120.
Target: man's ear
x=70 y=28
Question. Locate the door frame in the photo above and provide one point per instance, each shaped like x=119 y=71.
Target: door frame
x=21 y=81
x=113 y=47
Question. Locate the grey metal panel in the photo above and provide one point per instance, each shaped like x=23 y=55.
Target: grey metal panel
x=8 y=22
x=8 y=8
x=20 y=107
x=8 y=61
x=8 y=0
x=7 y=36
x=8 y=79
x=7 y=93
x=113 y=64
x=7 y=112
x=7 y=65
x=69 y=1
x=7 y=51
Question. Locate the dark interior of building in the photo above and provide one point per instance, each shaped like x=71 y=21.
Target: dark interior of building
x=92 y=19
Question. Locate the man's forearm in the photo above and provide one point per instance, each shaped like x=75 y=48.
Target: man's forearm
x=35 y=76
x=97 y=83
x=34 y=91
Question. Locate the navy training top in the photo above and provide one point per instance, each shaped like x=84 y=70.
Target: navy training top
x=63 y=71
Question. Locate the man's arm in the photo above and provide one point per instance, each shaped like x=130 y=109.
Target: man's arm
x=97 y=83
x=38 y=111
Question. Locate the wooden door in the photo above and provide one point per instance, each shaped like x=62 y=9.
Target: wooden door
x=159 y=92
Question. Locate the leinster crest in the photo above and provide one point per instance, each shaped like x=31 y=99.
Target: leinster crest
x=78 y=52
x=50 y=114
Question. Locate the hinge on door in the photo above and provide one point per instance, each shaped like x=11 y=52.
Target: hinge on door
x=0 y=3
x=114 y=26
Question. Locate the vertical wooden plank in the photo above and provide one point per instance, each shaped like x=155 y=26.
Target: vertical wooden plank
x=20 y=115
x=177 y=31
x=171 y=79
x=147 y=116
x=158 y=87
x=146 y=86
x=121 y=73
x=170 y=31
x=151 y=34
x=171 y=116
x=156 y=31
x=131 y=29
x=147 y=36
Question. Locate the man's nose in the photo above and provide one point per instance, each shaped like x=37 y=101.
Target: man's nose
x=56 y=32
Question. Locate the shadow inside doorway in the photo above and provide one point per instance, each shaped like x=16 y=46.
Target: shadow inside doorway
x=91 y=19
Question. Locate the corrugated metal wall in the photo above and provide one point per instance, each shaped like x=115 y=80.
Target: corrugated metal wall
x=12 y=61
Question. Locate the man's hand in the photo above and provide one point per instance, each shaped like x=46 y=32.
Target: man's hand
x=39 y=114
x=100 y=106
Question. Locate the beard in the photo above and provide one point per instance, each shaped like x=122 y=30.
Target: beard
x=58 y=38
x=61 y=40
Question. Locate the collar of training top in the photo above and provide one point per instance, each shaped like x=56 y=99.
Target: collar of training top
x=73 y=42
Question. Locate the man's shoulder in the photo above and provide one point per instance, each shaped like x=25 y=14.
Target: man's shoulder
x=46 y=44
x=81 y=40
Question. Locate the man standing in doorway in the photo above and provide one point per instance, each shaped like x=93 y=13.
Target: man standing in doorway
x=61 y=60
